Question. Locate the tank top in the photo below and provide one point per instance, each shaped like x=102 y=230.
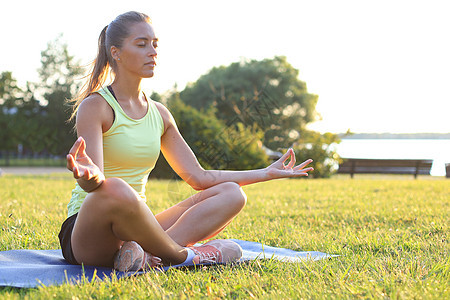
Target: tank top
x=130 y=148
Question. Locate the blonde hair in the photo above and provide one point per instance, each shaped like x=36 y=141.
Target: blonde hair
x=112 y=35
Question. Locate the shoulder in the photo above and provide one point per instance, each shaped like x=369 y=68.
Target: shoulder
x=94 y=108
x=93 y=102
x=163 y=110
x=165 y=114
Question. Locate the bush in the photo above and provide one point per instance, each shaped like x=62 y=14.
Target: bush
x=318 y=147
x=215 y=145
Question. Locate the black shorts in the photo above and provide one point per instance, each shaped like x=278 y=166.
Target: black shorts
x=65 y=239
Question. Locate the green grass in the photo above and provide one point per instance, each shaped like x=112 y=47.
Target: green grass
x=391 y=233
x=34 y=162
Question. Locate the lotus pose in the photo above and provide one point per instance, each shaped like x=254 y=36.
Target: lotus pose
x=120 y=135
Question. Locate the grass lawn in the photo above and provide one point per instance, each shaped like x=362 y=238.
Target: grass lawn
x=391 y=233
x=27 y=162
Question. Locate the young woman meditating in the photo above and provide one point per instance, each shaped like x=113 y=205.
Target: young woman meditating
x=120 y=135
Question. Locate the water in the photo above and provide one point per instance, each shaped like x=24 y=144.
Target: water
x=438 y=150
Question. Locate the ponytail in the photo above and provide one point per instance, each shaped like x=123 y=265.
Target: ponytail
x=97 y=76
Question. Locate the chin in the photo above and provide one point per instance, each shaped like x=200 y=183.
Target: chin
x=148 y=75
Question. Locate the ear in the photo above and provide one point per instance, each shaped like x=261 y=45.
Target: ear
x=115 y=53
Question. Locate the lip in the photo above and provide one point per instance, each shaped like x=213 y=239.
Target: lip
x=152 y=63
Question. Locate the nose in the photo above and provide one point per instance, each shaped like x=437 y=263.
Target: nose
x=152 y=52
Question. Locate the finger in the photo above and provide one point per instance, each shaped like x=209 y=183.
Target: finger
x=292 y=162
x=303 y=164
x=304 y=171
x=283 y=158
x=82 y=148
x=76 y=172
x=301 y=174
x=73 y=166
x=70 y=162
x=74 y=150
x=87 y=174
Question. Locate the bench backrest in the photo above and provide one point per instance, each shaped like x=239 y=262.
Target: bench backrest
x=386 y=166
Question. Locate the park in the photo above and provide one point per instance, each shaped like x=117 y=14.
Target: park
x=390 y=232
x=335 y=191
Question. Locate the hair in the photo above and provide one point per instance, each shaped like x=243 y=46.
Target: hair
x=112 y=35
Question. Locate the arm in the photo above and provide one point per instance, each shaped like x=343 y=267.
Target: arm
x=185 y=164
x=276 y=170
x=85 y=159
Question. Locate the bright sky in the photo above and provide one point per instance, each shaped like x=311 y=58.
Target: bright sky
x=377 y=66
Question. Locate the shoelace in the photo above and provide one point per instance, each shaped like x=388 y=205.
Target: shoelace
x=210 y=256
x=138 y=263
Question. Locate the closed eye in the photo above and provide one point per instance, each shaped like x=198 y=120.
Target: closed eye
x=143 y=42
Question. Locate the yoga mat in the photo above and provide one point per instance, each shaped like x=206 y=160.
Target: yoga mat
x=32 y=268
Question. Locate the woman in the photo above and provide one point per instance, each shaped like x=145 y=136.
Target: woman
x=121 y=133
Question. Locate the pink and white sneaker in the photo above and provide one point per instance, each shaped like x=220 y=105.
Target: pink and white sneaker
x=217 y=251
x=131 y=257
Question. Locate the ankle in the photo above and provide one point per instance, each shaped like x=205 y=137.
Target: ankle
x=188 y=260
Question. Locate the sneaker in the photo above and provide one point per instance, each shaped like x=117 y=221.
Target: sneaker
x=217 y=251
x=131 y=257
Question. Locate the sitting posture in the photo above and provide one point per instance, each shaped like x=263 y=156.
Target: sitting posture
x=120 y=135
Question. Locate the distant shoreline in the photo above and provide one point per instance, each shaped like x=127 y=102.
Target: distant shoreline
x=424 y=136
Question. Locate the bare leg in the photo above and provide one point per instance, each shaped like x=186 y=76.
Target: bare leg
x=204 y=214
x=115 y=213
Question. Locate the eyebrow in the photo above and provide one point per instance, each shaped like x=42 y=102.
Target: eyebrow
x=146 y=39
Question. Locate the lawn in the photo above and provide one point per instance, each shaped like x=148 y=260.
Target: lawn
x=391 y=233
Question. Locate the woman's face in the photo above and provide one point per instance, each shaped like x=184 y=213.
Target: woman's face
x=138 y=52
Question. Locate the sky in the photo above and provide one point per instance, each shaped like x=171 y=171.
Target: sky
x=377 y=66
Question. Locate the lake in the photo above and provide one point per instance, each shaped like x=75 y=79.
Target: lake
x=436 y=149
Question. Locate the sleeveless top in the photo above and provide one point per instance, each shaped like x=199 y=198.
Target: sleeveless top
x=130 y=148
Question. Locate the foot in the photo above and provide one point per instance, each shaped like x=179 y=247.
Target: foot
x=131 y=257
x=217 y=251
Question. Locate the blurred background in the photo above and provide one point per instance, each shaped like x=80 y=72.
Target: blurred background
x=333 y=79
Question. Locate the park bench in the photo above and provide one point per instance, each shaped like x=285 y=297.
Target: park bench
x=385 y=166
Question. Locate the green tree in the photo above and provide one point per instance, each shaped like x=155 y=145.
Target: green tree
x=19 y=116
x=30 y=121
x=266 y=93
x=318 y=147
x=9 y=96
x=215 y=145
x=58 y=74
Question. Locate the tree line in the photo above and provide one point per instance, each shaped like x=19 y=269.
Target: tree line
x=237 y=117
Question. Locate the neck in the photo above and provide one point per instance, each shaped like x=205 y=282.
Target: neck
x=127 y=87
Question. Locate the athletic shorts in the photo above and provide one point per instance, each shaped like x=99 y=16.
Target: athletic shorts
x=65 y=239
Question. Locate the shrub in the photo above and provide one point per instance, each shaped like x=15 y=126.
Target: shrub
x=318 y=147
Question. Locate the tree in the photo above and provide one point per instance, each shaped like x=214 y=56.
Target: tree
x=216 y=145
x=19 y=116
x=9 y=96
x=264 y=93
x=30 y=121
x=318 y=147
x=58 y=74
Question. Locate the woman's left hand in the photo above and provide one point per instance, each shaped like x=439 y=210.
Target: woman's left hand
x=279 y=170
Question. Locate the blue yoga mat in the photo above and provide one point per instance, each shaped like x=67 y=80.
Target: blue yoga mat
x=32 y=268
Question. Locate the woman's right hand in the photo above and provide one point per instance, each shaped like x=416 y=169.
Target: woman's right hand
x=83 y=167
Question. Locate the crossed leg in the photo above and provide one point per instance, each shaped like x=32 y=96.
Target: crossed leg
x=204 y=214
x=114 y=213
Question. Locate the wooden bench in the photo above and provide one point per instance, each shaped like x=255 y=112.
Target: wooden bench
x=385 y=166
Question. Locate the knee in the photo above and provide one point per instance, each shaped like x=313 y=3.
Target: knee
x=116 y=194
x=236 y=197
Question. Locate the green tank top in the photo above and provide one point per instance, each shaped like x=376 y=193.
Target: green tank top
x=130 y=149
